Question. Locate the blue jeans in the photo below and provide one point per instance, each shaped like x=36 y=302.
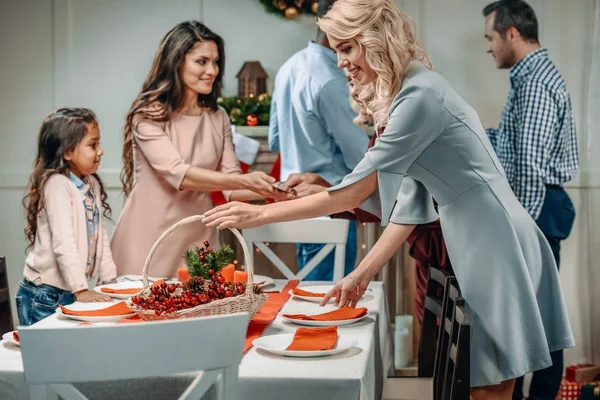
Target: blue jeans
x=35 y=303
x=555 y=222
x=324 y=271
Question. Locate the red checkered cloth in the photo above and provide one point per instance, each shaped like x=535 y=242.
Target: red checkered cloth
x=570 y=390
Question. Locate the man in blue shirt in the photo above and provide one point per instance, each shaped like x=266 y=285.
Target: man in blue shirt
x=311 y=127
x=535 y=141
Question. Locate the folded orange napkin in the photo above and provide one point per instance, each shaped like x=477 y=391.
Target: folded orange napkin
x=135 y=318
x=118 y=309
x=300 y=292
x=120 y=291
x=337 y=315
x=16 y=336
x=314 y=339
x=267 y=313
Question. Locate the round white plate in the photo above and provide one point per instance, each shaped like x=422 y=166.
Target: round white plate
x=8 y=337
x=266 y=281
x=323 y=289
x=325 y=323
x=120 y=285
x=314 y=289
x=277 y=344
x=77 y=306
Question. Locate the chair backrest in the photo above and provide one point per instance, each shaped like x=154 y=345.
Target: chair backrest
x=331 y=232
x=433 y=311
x=6 y=323
x=452 y=295
x=213 y=345
x=456 y=378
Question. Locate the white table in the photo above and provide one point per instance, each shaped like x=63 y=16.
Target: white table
x=357 y=374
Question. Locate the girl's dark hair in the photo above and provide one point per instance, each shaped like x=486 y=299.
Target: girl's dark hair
x=163 y=91
x=60 y=132
x=515 y=13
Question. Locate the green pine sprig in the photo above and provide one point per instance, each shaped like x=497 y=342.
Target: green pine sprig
x=199 y=262
x=238 y=108
x=303 y=6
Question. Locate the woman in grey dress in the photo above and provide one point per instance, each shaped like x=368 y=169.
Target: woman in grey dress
x=434 y=145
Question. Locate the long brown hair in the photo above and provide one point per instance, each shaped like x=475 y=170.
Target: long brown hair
x=60 y=132
x=163 y=91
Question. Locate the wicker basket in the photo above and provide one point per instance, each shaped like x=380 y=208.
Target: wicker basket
x=248 y=302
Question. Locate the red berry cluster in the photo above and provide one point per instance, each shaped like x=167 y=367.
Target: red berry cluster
x=219 y=289
x=169 y=298
x=205 y=251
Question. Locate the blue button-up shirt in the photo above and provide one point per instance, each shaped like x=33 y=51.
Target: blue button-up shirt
x=536 y=141
x=311 y=118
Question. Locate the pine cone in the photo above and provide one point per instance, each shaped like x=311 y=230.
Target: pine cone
x=256 y=289
x=195 y=284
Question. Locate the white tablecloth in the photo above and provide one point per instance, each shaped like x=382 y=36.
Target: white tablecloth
x=358 y=373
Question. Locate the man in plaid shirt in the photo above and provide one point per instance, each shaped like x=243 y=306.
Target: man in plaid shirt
x=535 y=141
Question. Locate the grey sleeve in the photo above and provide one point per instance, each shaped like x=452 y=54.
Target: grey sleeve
x=414 y=204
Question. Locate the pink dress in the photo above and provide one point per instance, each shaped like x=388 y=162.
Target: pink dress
x=162 y=154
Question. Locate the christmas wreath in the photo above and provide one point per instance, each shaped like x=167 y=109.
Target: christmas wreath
x=250 y=111
x=291 y=8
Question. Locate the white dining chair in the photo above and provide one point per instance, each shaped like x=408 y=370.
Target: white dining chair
x=55 y=358
x=333 y=233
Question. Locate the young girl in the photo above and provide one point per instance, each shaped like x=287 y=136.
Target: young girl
x=68 y=248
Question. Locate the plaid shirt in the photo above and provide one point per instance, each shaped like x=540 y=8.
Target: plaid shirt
x=536 y=141
x=92 y=215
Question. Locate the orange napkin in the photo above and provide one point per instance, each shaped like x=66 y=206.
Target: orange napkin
x=135 y=318
x=304 y=293
x=314 y=339
x=118 y=309
x=267 y=313
x=337 y=315
x=16 y=336
x=121 y=291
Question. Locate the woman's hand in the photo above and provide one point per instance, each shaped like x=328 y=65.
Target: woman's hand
x=262 y=184
x=91 y=296
x=234 y=215
x=347 y=292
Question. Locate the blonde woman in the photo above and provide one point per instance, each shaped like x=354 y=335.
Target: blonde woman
x=502 y=261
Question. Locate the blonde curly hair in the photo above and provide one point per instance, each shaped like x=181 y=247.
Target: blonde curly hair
x=387 y=36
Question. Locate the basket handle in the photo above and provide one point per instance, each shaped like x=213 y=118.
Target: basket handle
x=189 y=220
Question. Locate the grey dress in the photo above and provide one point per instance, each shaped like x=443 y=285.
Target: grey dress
x=501 y=259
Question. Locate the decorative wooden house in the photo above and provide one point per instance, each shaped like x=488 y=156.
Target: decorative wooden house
x=252 y=79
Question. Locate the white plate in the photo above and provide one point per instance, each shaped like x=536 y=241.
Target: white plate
x=277 y=344
x=133 y=278
x=8 y=337
x=265 y=279
x=77 y=306
x=323 y=289
x=314 y=289
x=120 y=285
x=325 y=323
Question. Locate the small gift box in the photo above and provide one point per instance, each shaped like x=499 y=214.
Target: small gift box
x=582 y=372
x=570 y=390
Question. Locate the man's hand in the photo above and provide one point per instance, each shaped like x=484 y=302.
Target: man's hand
x=308 y=178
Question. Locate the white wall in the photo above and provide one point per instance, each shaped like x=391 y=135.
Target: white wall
x=96 y=54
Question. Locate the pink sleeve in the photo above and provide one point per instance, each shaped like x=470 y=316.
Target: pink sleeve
x=58 y=208
x=108 y=269
x=160 y=152
x=229 y=163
